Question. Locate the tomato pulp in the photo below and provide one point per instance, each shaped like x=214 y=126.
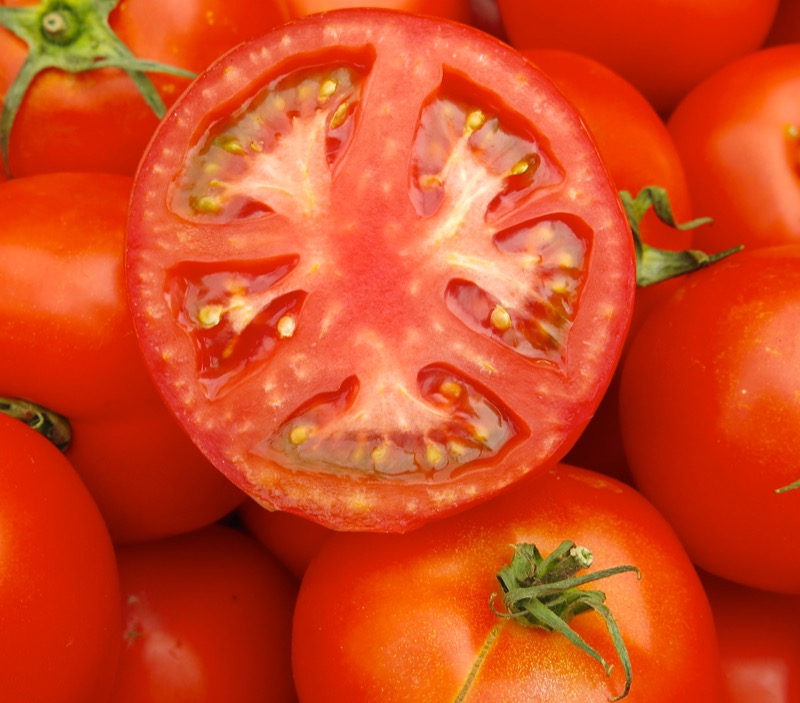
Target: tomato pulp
x=376 y=283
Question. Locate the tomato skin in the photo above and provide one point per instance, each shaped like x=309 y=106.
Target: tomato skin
x=69 y=345
x=638 y=151
x=458 y=10
x=291 y=539
x=412 y=612
x=757 y=632
x=97 y=120
x=196 y=245
x=741 y=161
x=709 y=412
x=207 y=618
x=663 y=47
x=59 y=587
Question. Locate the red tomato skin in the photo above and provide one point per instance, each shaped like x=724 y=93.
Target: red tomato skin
x=207 y=618
x=293 y=540
x=408 y=614
x=69 y=345
x=757 y=632
x=663 y=47
x=457 y=10
x=741 y=162
x=709 y=414
x=59 y=588
x=332 y=497
x=97 y=120
x=638 y=151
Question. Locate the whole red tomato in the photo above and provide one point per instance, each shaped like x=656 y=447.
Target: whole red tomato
x=709 y=414
x=757 y=633
x=98 y=119
x=663 y=47
x=738 y=134
x=410 y=617
x=59 y=589
x=376 y=285
x=208 y=618
x=68 y=344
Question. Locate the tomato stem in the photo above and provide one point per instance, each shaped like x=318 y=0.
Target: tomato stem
x=545 y=592
x=655 y=265
x=53 y=426
x=72 y=36
x=791 y=487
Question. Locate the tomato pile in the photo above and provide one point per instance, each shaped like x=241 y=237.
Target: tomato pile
x=440 y=351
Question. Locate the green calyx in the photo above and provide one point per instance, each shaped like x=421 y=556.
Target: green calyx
x=655 y=265
x=53 y=426
x=545 y=592
x=72 y=36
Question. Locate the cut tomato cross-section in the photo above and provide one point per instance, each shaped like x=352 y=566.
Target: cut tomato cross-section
x=377 y=268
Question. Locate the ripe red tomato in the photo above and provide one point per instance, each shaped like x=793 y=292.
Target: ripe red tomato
x=208 y=618
x=663 y=47
x=458 y=10
x=376 y=285
x=786 y=25
x=292 y=539
x=757 y=633
x=738 y=134
x=98 y=120
x=709 y=415
x=68 y=344
x=385 y=617
x=638 y=151
x=59 y=589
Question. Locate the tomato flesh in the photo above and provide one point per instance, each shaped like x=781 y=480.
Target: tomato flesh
x=373 y=288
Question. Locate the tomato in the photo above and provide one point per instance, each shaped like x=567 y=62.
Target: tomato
x=663 y=47
x=757 y=632
x=786 y=26
x=208 y=618
x=458 y=10
x=709 y=415
x=413 y=613
x=291 y=539
x=59 y=587
x=69 y=345
x=638 y=151
x=98 y=120
x=738 y=134
x=376 y=286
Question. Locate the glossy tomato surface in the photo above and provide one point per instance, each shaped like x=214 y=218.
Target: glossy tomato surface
x=69 y=345
x=738 y=134
x=410 y=616
x=59 y=588
x=663 y=47
x=208 y=618
x=709 y=414
x=458 y=10
x=98 y=120
x=376 y=285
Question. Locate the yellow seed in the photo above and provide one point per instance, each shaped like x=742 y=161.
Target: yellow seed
x=429 y=181
x=299 y=434
x=450 y=389
x=434 y=455
x=474 y=120
x=286 y=326
x=256 y=146
x=379 y=454
x=232 y=146
x=210 y=315
x=339 y=115
x=326 y=89
x=500 y=318
x=209 y=204
x=457 y=450
x=520 y=167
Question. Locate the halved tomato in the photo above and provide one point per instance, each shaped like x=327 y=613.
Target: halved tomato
x=377 y=268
